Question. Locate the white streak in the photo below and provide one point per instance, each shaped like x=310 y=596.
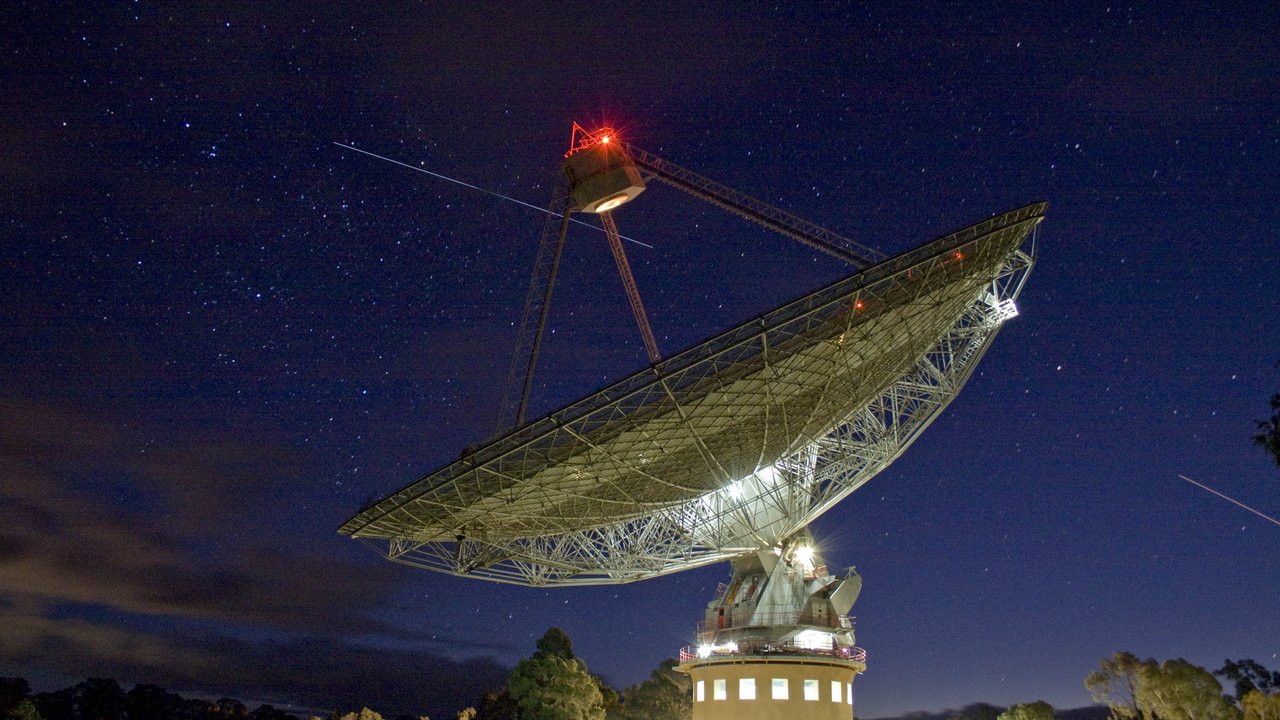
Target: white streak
x=1224 y=497
x=476 y=187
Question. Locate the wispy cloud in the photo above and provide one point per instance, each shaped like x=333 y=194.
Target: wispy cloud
x=181 y=566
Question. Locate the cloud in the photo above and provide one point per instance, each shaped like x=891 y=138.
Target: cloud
x=316 y=672
x=189 y=567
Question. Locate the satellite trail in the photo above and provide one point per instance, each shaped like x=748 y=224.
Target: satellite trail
x=477 y=187
x=1224 y=497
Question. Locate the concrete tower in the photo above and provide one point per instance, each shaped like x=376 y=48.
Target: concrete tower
x=777 y=641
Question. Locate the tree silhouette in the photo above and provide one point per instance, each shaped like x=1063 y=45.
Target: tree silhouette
x=1268 y=437
x=1248 y=676
x=665 y=695
x=1172 y=690
x=1038 y=710
x=555 y=685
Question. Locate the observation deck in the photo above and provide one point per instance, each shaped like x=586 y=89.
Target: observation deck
x=748 y=648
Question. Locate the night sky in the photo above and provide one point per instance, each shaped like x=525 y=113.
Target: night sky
x=221 y=334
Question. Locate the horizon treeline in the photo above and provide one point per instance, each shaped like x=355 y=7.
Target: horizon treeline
x=555 y=684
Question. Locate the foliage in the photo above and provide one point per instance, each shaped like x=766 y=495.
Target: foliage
x=608 y=696
x=100 y=699
x=555 y=642
x=554 y=685
x=364 y=714
x=1172 y=690
x=467 y=714
x=977 y=711
x=150 y=702
x=12 y=692
x=1258 y=705
x=1038 y=710
x=665 y=695
x=228 y=709
x=23 y=709
x=1268 y=437
x=1115 y=683
x=498 y=706
x=1248 y=675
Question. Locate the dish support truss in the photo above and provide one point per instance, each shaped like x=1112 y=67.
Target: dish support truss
x=759 y=510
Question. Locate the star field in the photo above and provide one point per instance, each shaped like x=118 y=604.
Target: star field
x=221 y=334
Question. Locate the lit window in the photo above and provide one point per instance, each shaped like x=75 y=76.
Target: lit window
x=835 y=691
x=718 y=691
x=810 y=689
x=746 y=688
x=700 y=691
x=780 y=689
x=848 y=693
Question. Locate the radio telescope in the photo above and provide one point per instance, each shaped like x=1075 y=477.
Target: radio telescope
x=726 y=450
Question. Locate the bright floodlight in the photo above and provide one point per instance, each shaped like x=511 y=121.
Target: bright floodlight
x=612 y=202
x=804 y=556
x=729 y=447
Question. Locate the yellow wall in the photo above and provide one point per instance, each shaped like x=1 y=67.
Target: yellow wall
x=764 y=707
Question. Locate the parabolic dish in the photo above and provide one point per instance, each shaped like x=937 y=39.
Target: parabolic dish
x=731 y=445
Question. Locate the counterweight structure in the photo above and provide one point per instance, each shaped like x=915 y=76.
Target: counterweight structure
x=726 y=450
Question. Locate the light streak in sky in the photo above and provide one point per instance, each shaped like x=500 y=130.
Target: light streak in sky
x=477 y=187
x=1230 y=499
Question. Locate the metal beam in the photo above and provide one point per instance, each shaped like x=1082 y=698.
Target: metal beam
x=761 y=213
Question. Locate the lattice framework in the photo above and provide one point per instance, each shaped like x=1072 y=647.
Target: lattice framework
x=729 y=446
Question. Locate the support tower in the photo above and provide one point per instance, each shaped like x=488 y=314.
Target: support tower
x=777 y=641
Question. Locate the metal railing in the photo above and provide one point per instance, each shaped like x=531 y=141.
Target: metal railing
x=788 y=648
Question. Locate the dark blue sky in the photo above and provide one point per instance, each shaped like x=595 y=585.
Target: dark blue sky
x=221 y=334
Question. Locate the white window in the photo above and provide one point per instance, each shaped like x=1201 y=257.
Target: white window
x=848 y=693
x=810 y=689
x=700 y=691
x=780 y=689
x=718 y=691
x=836 y=692
x=746 y=688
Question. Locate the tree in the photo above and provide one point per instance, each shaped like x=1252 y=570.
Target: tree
x=1258 y=705
x=1248 y=676
x=150 y=702
x=1268 y=437
x=24 y=709
x=467 y=714
x=1115 y=683
x=226 y=709
x=364 y=714
x=498 y=706
x=555 y=642
x=1038 y=710
x=56 y=705
x=977 y=711
x=1173 y=690
x=555 y=685
x=666 y=695
x=264 y=712
x=12 y=692
x=1178 y=690
x=99 y=699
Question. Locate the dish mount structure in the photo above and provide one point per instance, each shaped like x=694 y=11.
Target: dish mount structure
x=726 y=450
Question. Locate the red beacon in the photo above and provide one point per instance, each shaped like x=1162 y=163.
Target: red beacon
x=602 y=175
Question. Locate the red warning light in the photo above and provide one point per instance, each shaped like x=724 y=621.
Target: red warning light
x=857 y=304
x=959 y=255
x=583 y=139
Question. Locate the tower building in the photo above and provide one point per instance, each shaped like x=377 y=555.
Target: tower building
x=777 y=641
